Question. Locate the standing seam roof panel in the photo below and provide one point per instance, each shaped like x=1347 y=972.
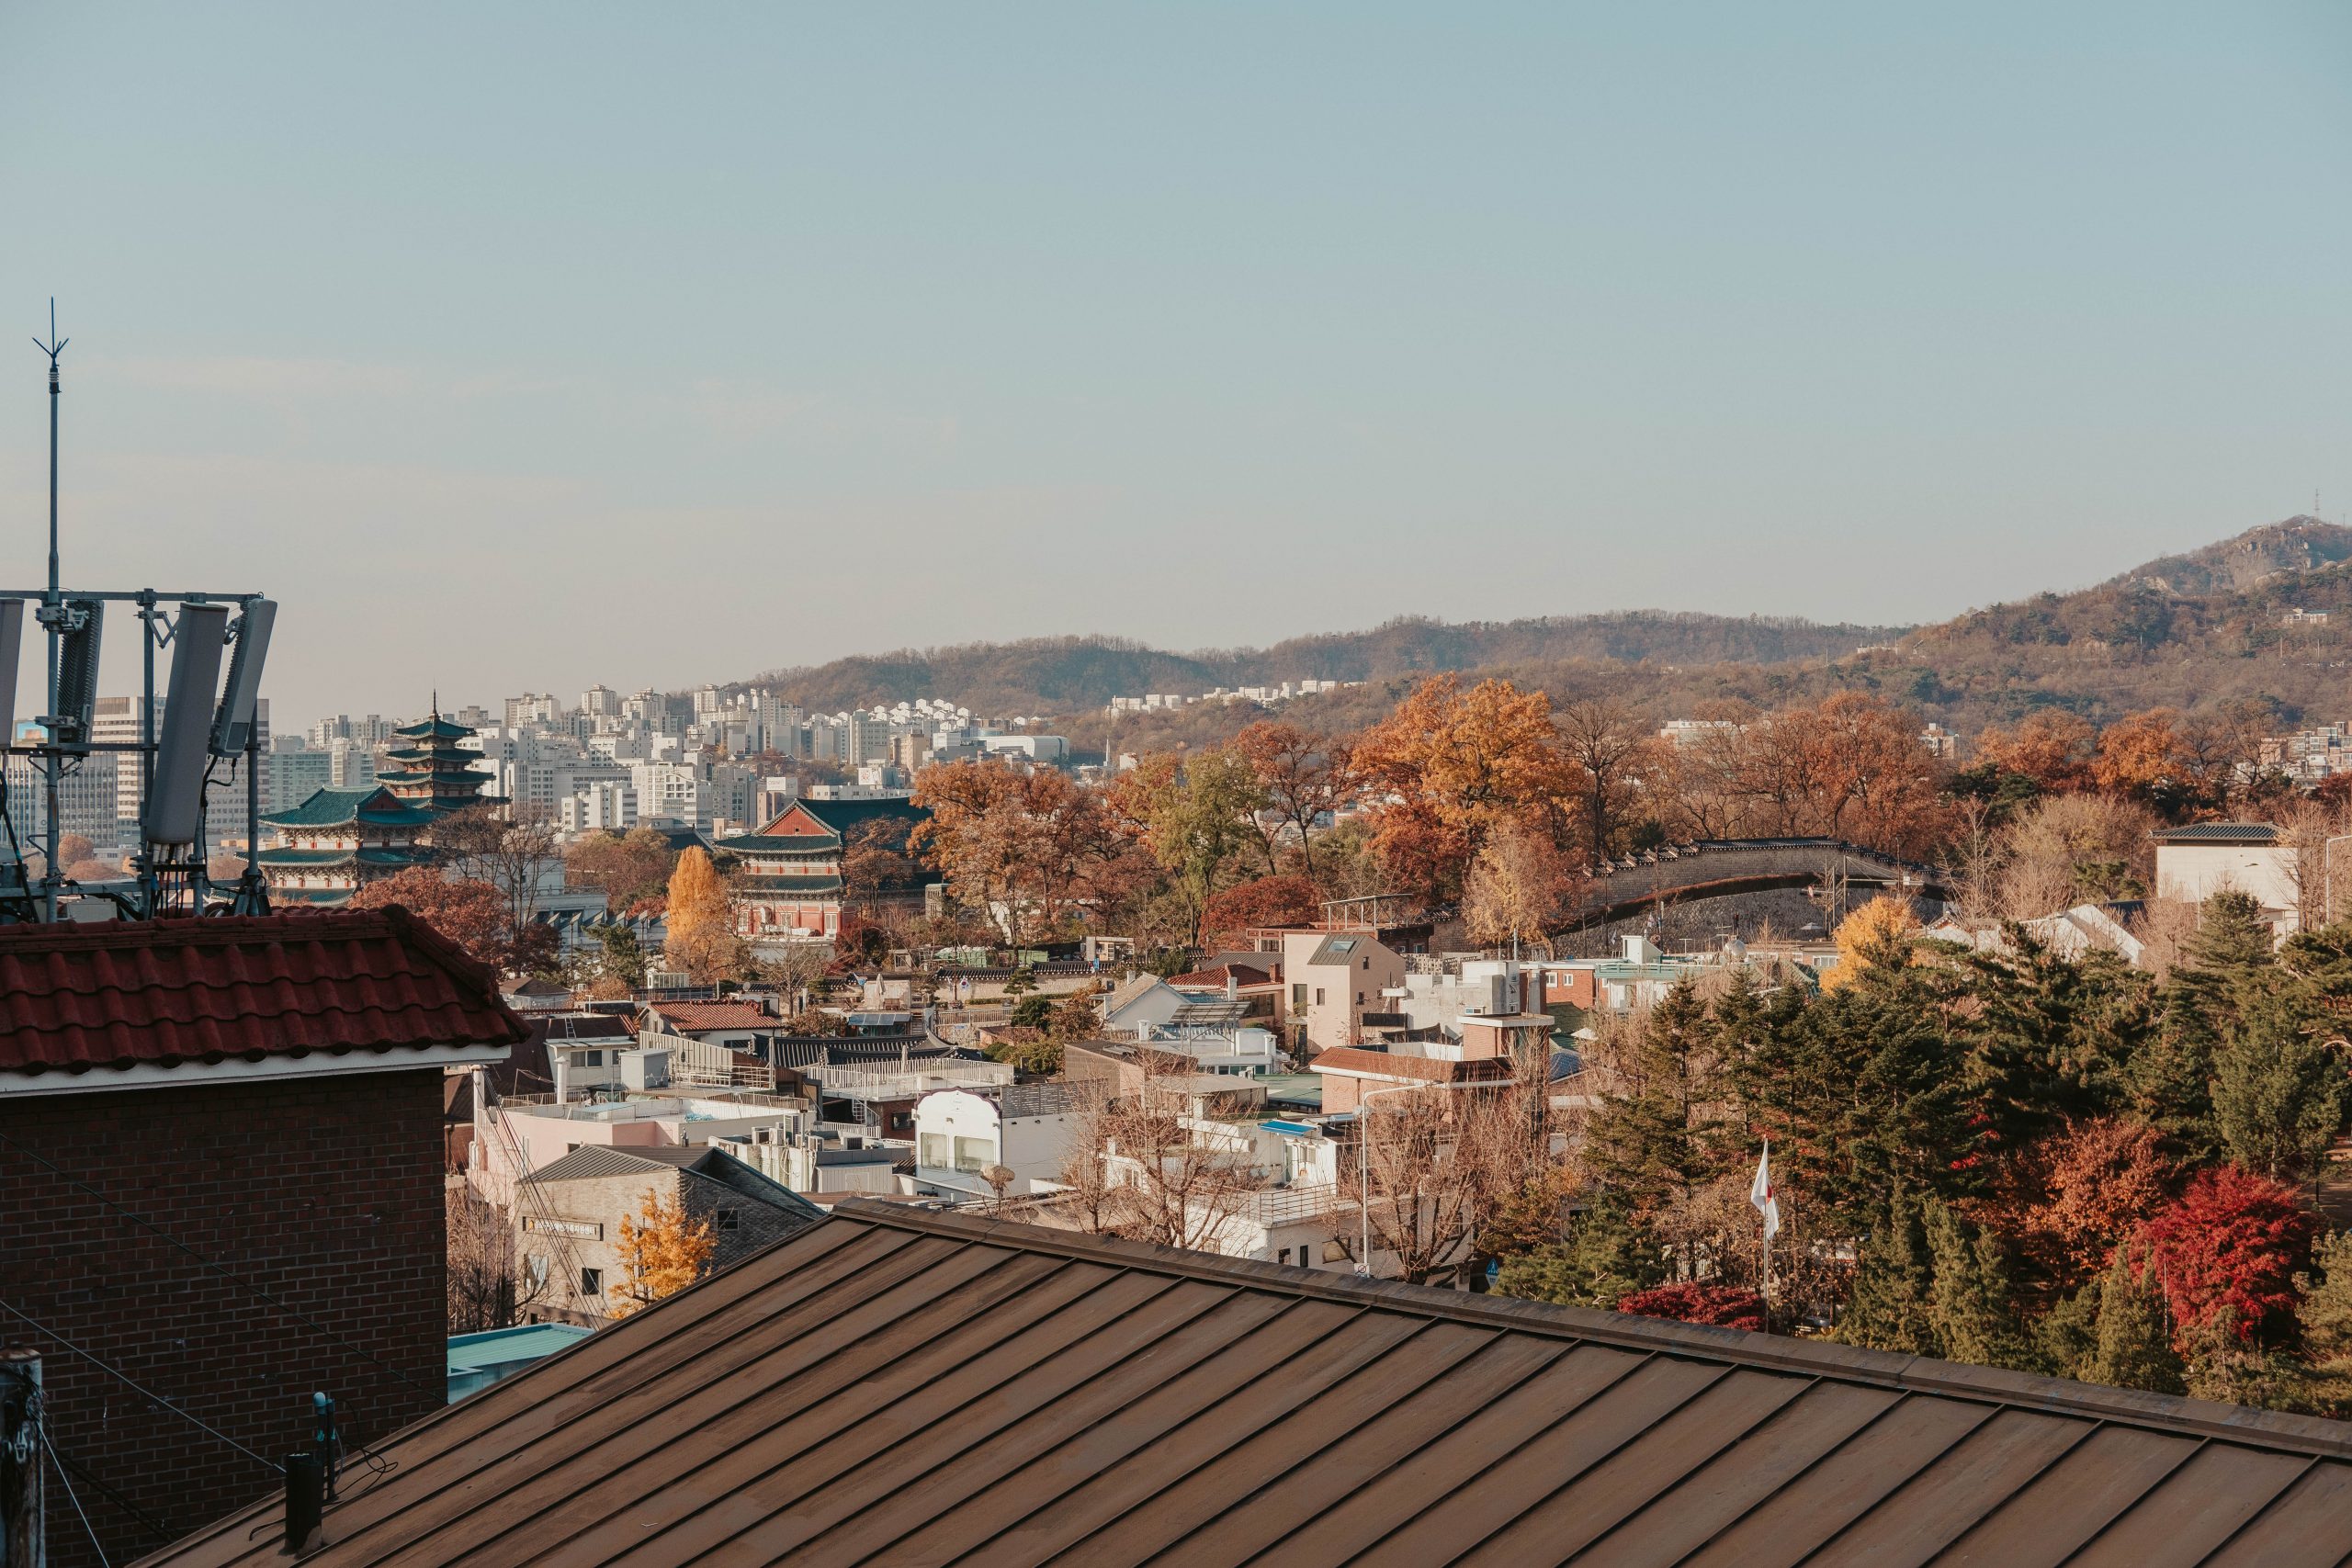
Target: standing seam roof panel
x=891 y=1387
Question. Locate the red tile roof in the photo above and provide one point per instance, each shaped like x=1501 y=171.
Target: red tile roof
x=1427 y=1069
x=693 y=1018
x=122 y=994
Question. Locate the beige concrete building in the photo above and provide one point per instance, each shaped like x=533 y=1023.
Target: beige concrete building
x=1335 y=977
x=2204 y=858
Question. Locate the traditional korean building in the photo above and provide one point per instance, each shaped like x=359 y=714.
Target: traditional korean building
x=792 y=887
x=339 y=839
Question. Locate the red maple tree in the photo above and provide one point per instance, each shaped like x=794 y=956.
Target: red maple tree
x=2229 y=1246
x=1262 y=901
x=1724 y=1306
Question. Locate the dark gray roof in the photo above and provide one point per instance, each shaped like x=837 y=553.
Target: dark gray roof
x=599 y=1162
x=1342 y=947
x=895 y=1386
x=596 y=1162
x=2218 y=833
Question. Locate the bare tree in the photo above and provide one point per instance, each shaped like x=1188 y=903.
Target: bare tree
x=511 y=852
x=1154 y=1166
x=1433 y=1165
x=1615 y=752
x=486 y=1287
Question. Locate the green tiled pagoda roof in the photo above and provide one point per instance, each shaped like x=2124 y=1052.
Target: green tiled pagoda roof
x=372 y=854
x=327 y=808
x=779 y=843
x=307 y=857
x=437 y=728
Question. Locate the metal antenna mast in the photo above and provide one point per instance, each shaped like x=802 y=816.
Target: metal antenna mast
x=52 y=607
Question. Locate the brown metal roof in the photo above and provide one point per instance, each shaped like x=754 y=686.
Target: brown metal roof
x=895 y=1387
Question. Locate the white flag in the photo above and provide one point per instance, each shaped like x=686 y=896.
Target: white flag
x=1766 y=1203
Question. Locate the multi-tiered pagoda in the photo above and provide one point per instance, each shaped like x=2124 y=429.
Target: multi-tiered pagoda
x=341 y=839
x=436 y=772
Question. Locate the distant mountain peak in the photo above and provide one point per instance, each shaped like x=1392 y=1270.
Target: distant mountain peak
x=2302 y=543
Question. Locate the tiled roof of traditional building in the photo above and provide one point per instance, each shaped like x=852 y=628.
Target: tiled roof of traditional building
x=83 y=999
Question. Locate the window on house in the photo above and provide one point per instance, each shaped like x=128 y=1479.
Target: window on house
x=591 y=1284
x=1358 y=998
x=1298 y=995
x=936 y=1151
x=535 y=1268
x=974 y=1154
x=1334 y=1252
x=1319 y=996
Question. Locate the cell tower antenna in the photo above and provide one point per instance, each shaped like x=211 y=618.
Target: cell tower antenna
x=53 y=348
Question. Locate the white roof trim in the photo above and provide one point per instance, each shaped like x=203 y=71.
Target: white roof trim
x=312 y=1064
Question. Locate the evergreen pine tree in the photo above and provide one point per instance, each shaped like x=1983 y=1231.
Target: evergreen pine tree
x=2134 y=1338
x=2172 y=1081
x=2326 y=1311
x=2065 y=1341
x=1641 y=1147
x=1892 y=1306
x=1601 y=1260
x=1969 y=1303
x=2278 y=1096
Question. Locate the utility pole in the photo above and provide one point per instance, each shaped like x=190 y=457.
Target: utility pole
x=23 y=1531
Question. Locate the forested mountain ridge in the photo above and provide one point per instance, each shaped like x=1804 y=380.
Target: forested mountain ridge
x=2217 y=624
x=1071 y=674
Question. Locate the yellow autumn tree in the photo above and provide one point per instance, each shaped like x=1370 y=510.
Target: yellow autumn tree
x=1516 y=889
x=662 y=1254
x=701 y=932
x=1878 y=932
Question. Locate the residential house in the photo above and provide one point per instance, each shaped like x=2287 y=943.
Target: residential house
x=1028 y=1129
x=518 y=1136
x=2196 y=862
x=1335 y=978
x=222 y=1161
x=569 y=1215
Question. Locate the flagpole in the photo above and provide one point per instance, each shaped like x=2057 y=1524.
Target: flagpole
x=1764 y=1224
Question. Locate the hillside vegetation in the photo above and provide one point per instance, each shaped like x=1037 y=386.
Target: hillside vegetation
x=1070 y=674
x=2188 y=630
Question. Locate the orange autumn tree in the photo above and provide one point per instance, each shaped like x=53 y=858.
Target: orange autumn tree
x=2052 y=748
x=2142 y=755
x=662 y=1254
x=470 y=914
x=1449 y=767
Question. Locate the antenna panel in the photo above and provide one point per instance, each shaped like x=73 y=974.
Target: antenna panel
x=12 y=644
x=77 y=671
x=174 y=808
x=233 y=727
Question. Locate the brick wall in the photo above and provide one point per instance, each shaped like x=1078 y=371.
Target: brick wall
x=324 y=1193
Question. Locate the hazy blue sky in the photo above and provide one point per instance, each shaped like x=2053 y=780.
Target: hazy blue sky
x=532 y=346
